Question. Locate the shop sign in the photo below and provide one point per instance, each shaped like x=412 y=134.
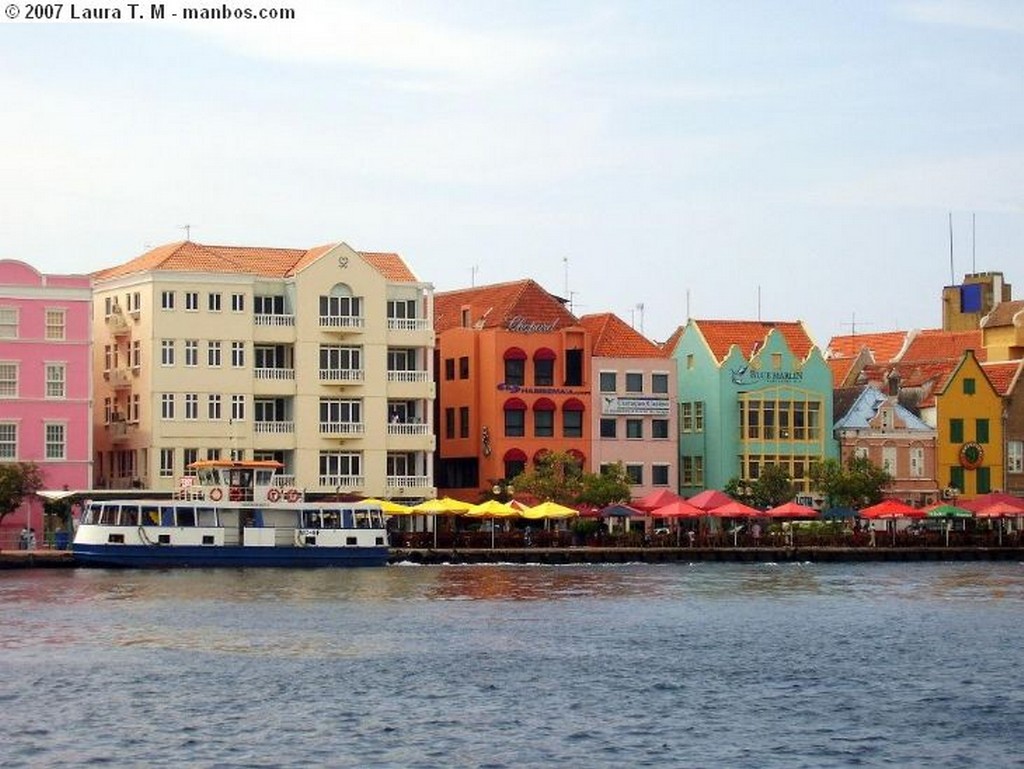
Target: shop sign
x=614 y=405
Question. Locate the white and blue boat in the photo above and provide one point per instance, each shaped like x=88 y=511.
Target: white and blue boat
x=232 y=513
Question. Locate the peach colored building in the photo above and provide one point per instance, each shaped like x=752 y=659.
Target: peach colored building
x=514 y=381
x=318 y=358
x=634 y=419
x=45 y=381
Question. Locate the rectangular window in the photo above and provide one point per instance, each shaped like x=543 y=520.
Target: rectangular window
x=634 y=429
x=544 y=372
x=776 y=361
x=969 y=386
x=341 y=411
x=338 y=465
x=56 y=384
x=956 y=431
x=686 y=417
x=213 y=354
x=574 y=368
x=238 y=354
x=8 y=379
x=659 y=475
x=659 y=383
x=8 y=322
x=659 y=428
x=543 y=424
x=192 y=301
x=463 y=421
x=166 y=463
x=8 y=441
x=55 y=325
x=984 y=479
x=689 y=361
x=449 y=369
x=572 y=424
x=608 y=427
x=889 y=460
x=213 y=454
x=464 y=368
x=188 y=456
x=135 y=356
x=238 y=303
x=515 y=372
x=341 y=307
x=402 y=309
x=515 y=423
x=213 y=407
x=607 y=381
x=237 y=408
x=634 y=382
x=956 y=478
x=449 y=423
x=55 y=443
x=1015 y=456
x=698 y=471
x=981 y=430
x=166 y=300
x=268 y=305
x=191 y=406
x=635 y=474
x=191 y=352
x=166 y=352
x=916 y=462
x=167 y=405
x=687 y=470
x=134 y=408
x=213 y=302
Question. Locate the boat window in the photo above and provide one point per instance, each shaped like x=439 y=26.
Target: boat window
x=167 y=516
x=150 y=515
x=362 y=519
x=207 y=516
x=332 y=519
x=186 y=516
x=89 y=515
x=346 y=519
x=208 y=477
x=107 y=515
x=311 y=519
x=264 y=477
x=129 y=515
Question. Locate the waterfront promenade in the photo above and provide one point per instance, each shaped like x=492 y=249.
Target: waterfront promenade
x=37 y=559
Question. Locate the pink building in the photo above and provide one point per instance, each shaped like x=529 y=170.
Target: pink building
x=45 y=383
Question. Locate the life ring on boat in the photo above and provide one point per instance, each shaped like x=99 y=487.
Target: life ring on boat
x=292 y=495
x=273 y=495
x=216 y=494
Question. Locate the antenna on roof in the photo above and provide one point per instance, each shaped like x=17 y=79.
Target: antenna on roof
x=853 y=323
x=640 y=309
x=188 y=231
x=472 y=275
x=759 y=303
x=952 y=277
x=974 y=250
x=565 y=266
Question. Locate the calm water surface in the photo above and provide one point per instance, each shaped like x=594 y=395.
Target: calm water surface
x=747 y=665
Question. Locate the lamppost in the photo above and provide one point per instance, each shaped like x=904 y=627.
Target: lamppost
x=503 y=490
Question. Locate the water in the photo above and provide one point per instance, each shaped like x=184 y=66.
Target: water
x=736 y=665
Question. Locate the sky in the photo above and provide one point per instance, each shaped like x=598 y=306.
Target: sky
x=782 y=160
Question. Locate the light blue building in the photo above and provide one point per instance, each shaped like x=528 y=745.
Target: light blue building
x=751 y=394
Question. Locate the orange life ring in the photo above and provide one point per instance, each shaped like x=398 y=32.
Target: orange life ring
x=273 y=495
x=292 y=495
x=216 y=494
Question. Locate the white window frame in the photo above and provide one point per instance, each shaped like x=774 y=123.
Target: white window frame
x=9 y=322
x=8 y=441
x=191 y=353
x=213 y=358
x=238 y=355
x=166 y=352
x=166 y=463
x=237 y=408
x=55 y=441
x=191 y=301
x=167 y=406
x=1015 y=456
x=9 y=386
x=167 y=300
x=56 y=324
x=213 y=407
x=191 y=406
x=237 y=302
x=213 y=300
x=56 y=380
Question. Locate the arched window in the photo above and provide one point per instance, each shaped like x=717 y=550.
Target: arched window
x=515 y=366
x=340 y=303
x=572 y=418
x=515 y=462
x=515 y=418
x=544 y=367
x=544 y=418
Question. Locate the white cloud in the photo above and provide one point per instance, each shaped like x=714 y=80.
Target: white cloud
x=977 y=14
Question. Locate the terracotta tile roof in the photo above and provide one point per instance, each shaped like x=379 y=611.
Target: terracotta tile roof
x=670 y=344
x=612 y=337
x=921 y=373
x=1004 y=314
x=884 y=346
x=494 y=305
x=841 y=368
x=188 y=256
x=749 y=335
x=935 y=344
x=1003 y=375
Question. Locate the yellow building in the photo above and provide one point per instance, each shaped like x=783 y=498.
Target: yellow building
x=967 y=412
x=321 y=359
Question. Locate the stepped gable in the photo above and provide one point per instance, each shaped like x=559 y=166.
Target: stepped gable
x=1003 y=375
x=614 y=338
x=749 y=336
x=884 y=347
x=670 y=344
x=495 y=305
x=189 y=256
x=1005 y=314
x=935 y=345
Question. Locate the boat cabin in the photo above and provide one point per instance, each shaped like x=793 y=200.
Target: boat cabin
x=252 y=481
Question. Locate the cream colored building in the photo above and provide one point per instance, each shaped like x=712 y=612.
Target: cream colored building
x=321 y=359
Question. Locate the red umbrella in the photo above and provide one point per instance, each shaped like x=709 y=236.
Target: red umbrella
x=734 y=509
x=657 y=499
x=976 y=504
x=710 y=499
x=791 y=510
x=678 y=509
x=892 y=508
x=999 y=510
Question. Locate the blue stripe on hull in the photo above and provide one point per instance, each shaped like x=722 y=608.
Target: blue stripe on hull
x=156 y=556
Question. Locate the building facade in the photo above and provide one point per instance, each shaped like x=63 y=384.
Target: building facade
x=633 y=418
x=320 y=359
x=45 y=381
x=751 y=394
x=513 y=383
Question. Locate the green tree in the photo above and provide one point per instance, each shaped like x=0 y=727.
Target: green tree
x=772 y=488
x=858 y=484
x=556 y=476
x=17 y=481
x=607 y=487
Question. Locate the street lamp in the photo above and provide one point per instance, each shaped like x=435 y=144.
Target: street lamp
x=503 y=490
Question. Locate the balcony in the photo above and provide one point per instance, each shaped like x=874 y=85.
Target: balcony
x=120 y=431
x=408 y=428
x=342 y=375
x=284 y=481
x=273 y=428
x=409 y=376
x=342 y=482
x=118 y=324
x=408 y=324
x=119 y=378
x=342 y=324
x=343 y=429
x=403 y=484
x=273 y=320
x=274 y=373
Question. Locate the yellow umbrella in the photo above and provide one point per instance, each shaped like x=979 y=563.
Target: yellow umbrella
x=389 y=507
x=445 y=505
x=492 y=509
x=549 y=510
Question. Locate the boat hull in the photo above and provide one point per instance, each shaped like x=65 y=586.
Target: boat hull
x=204 y=556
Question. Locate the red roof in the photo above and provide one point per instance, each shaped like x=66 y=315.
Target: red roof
x=840 y=369
x=884 y=347
x=934 y=344
x=1003 y=375
x=614 y=338
x=749 y=336
x=495 y=305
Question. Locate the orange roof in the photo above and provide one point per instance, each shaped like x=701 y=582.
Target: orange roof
x=884 y=347
x=1003 y=314
x=840 y=369
x=935 y=344
x=614 y=338
x=495 y=305
x=669 y=345
x=749 y=335
x=188 y=256
x=1003 y=375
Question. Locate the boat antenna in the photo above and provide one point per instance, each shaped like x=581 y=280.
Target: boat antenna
x=952 y=277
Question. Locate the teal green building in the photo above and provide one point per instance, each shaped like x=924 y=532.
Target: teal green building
x=751 y=394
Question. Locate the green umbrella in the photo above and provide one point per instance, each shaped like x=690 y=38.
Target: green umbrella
x=949 y=512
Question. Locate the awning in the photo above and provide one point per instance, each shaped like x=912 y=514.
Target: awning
x=514 y=455
x=515 y=404
x=55 y=496
x=543 y=404
x=544 y=353
x=573 y=404
x=515 y=353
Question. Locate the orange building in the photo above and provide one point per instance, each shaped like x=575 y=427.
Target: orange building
x=513 y=373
